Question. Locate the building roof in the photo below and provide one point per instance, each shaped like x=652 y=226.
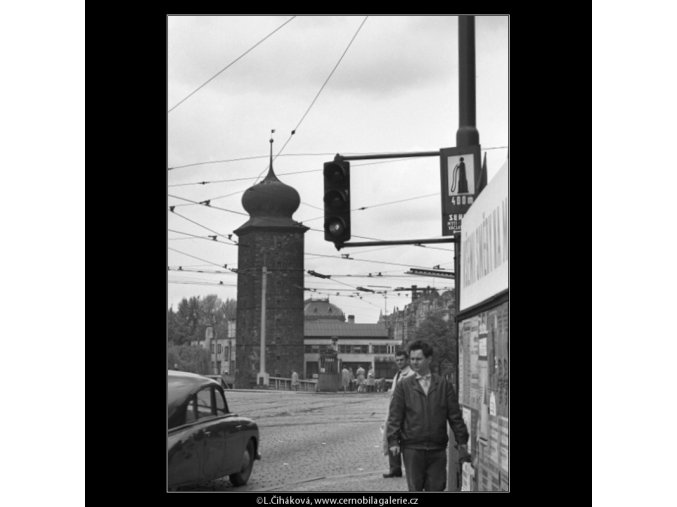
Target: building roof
x=315 y=309
x=329 y=328
x=270 y=203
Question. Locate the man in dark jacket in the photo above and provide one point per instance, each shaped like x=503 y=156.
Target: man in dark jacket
x=420 y=408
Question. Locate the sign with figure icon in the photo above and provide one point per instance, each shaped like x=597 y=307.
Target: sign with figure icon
x=459 y=169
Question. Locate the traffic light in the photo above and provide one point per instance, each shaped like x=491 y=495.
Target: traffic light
x=337 y=201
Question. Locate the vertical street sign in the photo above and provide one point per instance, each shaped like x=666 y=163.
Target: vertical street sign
x=459 y=170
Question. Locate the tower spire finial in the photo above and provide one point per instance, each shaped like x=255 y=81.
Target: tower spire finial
x=271 y=149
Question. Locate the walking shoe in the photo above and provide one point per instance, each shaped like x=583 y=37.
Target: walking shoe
x=396 y=473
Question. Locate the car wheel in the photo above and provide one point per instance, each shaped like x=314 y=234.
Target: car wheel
x=241 y=478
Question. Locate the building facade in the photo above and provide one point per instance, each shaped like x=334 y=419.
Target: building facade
x=425 y=303
x=221 y=350
x=365 y=345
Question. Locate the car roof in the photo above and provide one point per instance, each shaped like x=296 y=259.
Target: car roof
x=181 y=385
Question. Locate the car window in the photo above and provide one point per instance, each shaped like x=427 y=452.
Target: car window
x=204 y=402
x=191 y=411
x=221 y=407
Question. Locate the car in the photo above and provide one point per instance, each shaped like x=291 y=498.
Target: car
x=205 y=440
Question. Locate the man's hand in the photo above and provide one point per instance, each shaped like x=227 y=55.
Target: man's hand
x=463 y=454
x=394 y=449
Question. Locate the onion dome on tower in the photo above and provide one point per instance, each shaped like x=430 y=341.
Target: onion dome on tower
x=270 y=202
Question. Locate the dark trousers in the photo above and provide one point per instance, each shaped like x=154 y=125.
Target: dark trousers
x=426 y=470
x=395 y=463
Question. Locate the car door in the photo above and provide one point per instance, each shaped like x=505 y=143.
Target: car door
x=232 y=428
x=219 y=447
x=185 y=447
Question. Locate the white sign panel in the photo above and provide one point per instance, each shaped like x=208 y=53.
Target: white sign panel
x=485 y=239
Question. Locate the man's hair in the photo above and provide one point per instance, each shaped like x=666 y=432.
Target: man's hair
x=400 y=352
x=423 y=346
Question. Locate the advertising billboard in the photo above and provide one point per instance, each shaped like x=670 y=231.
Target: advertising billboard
x=485 y=248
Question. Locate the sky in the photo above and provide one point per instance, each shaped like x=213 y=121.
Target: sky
x=394 y=91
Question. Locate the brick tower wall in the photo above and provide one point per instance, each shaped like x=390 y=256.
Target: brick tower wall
x=281 y=251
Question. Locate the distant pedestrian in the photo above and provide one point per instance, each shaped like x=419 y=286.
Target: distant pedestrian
x=294 y=381
x=345 y=379
x=420 y=408
x=360 y=379
x=403 y=371
x=371 y=382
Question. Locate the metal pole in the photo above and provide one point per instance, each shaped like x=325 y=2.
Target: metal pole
x=216 y=340
x=391 y=155
x=467 y=134
x=262 y=372
x=448 y=239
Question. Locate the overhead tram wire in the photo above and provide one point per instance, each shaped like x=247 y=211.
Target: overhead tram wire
x=377 y=239
x=388 y=161
x=181 y=269
x=241 y=191
x=227 y=66
x=384 y=278
x=227 y=236
x=310 y=228
x=253 y=157
x=205 y=283
x=194 y=257
x=364 y=208
x=368 y=260
x=318 y=93
x=207 y=205
x=194 y=236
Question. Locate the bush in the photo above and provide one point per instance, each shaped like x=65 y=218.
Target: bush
x=188 y=358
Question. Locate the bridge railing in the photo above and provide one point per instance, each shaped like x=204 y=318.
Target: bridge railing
x=284 y=384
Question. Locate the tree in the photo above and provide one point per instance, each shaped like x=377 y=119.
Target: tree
x=172 y=335
x=194 y=315
x=189 y=358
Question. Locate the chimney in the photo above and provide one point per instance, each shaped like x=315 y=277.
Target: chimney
x=351 y=319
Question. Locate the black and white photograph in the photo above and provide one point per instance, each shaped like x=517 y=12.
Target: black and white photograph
x=328 y=203
x=338 y=253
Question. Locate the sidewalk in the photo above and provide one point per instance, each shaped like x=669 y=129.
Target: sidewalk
x=362 y=481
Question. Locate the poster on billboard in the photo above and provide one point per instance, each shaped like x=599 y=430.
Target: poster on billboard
x=498 y=358
x=459 y=170
x=484 y=393
x=469 y=379
x=485 y=234
x=504 y=448
x=475 y=366
x=467 y=419
x=468 y=477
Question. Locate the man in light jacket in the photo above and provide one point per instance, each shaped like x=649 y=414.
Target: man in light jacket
x=420 y=408
x=395 y=460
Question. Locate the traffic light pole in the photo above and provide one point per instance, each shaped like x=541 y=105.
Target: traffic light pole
x=391 y=155
x=339 y=157
x=448 y=239
x=466 y=135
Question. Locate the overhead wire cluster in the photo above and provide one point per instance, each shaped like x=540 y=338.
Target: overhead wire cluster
x=220 y=238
